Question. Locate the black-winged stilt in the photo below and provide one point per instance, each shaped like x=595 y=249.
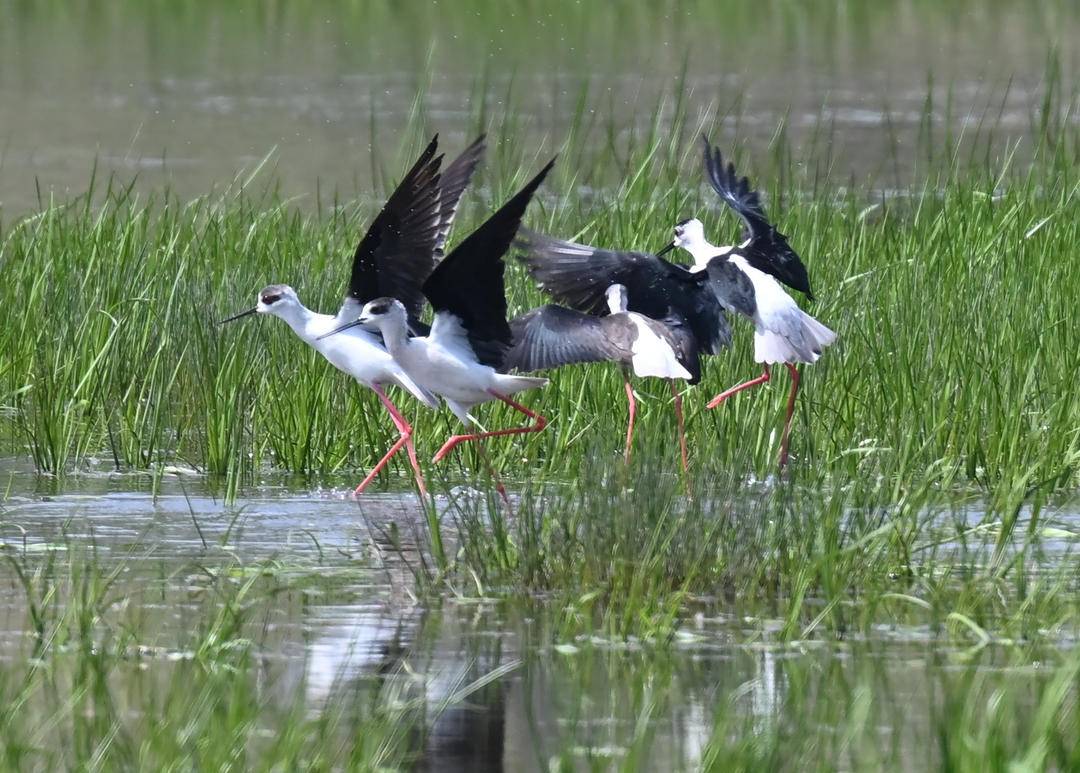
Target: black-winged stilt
x=461 y=357
x=783 y=333
x=394 y=257
x=692 y=305
x=552 y=336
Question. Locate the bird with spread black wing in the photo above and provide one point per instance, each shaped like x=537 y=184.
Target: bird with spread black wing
x=462 y=358
x=784 y=333
x=394 y=258
x=692 y=305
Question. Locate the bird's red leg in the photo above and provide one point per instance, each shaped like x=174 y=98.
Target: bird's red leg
x=405 y=440
x=540 y=423
x=682 y=431
x=784 y=438
x=740 y=387
x=630 y=427
x=382 y=463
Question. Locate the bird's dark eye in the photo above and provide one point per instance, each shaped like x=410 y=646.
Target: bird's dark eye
x=378 y=309
x=269 y=299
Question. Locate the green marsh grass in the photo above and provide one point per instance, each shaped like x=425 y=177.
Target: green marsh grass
x=952 y=302
x=952 y=376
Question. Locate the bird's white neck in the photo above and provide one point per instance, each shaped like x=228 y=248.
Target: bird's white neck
x=299 y=317
x=395 y=333
x=349 y=311
x=616 y=302
x=702 y=251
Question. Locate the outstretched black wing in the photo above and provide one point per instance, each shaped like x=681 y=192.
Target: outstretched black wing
x=553 y=336
x=455 y=179
x=396 y=254
x=468 y=283
x=578 y=275
x=765 y=248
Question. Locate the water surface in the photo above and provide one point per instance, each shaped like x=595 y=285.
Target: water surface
x=342 y=620
x=190 y=96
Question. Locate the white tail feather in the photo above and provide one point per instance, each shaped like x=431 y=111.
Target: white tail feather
x=771 y=348
x=820 y=334
x=803 y=343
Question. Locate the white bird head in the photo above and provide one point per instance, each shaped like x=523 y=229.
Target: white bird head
x=689 y=233
x=380 y=311
x=383 y=315
x=616 y=298
x=279 y=300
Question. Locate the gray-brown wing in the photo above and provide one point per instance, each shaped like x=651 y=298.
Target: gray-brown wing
x=552 y=336
x=455 y=179
x=731 y=286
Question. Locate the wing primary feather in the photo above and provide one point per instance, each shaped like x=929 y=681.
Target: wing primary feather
x=469 y=282
x=396 y=254
x=455 y=179
x=765 y=248
x=553 y=336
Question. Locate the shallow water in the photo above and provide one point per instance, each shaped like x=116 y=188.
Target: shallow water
x=191 y=96
x=348 y=624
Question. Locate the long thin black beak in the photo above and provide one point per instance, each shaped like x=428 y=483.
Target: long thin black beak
x=238 y=316
x=666 y=250
x=346 y=326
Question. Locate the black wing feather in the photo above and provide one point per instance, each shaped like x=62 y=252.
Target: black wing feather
x=578 y=275
x=731 y=286
x=765 y=248
x=396 y=254
x=468 y=283
x=455 y=179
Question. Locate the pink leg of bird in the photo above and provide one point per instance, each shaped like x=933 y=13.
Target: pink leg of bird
x=630 y=427
x=405 y=440
x=403 y=427
x=452 y=443
x=682 y=431
x=784 y=438
x=764 y=377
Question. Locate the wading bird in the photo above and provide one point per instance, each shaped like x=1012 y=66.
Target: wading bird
x=691 y=305
x=783 y=333
x=461 y=357
x=393 y=259
x=553 y=336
